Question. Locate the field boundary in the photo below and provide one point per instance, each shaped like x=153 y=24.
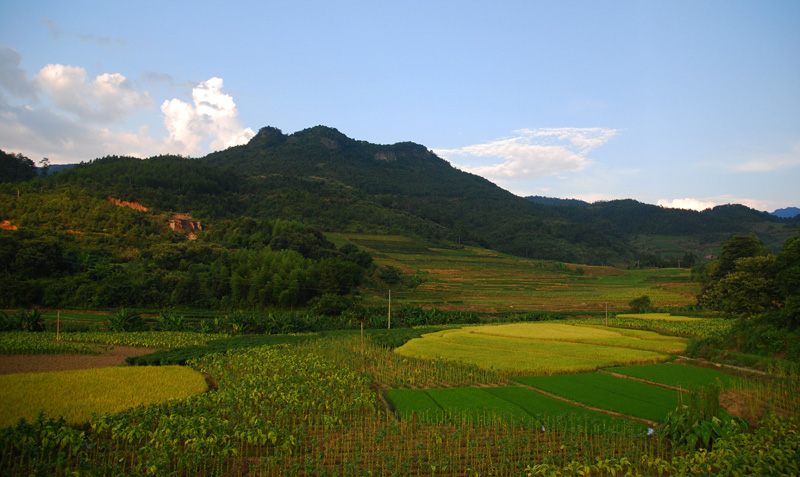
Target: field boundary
x=652 y=383
x=712 y=364
x=640 y=420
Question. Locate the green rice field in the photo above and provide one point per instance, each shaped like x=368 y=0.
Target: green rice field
x=676 y=375
x=607 y=392
x=512 y=403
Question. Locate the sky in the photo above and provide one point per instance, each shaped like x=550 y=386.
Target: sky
x=678 y=103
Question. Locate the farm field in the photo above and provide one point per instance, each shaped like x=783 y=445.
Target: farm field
x=513 y=403
x=676 y=375
x=475 y=279
x=607 y=392
x=543 y=347
x=314 y=407
x=79 y=394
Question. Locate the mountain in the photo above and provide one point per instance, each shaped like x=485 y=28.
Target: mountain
x=787 y=212
x=324 y=179
x=408 y=177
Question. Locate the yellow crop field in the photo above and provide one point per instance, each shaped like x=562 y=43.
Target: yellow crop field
x=78 y=394
x=658 y=316
x=543 y=348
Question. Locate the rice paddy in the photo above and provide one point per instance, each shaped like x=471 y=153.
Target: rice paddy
x=543 y=348
x=78 y=395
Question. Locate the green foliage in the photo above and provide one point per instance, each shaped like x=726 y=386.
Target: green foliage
x=641 y=304
x=700 y=422
x=30 y=320
x=126 y=320
x=16 y=167
x=171 y=321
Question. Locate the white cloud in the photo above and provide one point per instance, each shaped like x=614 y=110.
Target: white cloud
x=64 y=114
x=710 y=202
x=687 y=203
x=108 y=97
x=213 y=115
x=533 y=153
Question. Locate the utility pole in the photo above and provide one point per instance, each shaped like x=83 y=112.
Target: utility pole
x=390 y=310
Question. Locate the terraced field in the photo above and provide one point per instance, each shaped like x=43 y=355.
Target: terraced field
x=481 y=280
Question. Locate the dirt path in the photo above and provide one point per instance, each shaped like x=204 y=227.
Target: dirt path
x=39 y=363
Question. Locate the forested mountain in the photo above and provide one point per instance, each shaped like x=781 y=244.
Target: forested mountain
x=408 y=178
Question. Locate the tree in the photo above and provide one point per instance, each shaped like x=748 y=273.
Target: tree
x=737 y=247
x=16 y=167
x=750 y=289
x=44 y=167
x=641 y=304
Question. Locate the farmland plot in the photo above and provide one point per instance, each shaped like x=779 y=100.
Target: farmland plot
x=510 y=403
x=607 y=392
x=543 y=348
x=676 y=375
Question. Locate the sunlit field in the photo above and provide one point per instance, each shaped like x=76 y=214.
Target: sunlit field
x=487 y=281
x=543 y=348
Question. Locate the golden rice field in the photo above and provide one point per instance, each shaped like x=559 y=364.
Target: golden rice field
x=77 y=395
x=544 y=347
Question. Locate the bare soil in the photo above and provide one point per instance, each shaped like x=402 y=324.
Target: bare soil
x=40 y=363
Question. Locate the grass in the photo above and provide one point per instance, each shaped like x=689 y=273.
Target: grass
x=77 y=395
x=607 y=392
x=543 y=348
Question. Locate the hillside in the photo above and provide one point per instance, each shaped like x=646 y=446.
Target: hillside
x=408 y=177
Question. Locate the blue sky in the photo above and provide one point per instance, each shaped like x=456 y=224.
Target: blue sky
x=678 y=103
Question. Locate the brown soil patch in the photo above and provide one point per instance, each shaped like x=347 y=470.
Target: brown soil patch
x=39 y=363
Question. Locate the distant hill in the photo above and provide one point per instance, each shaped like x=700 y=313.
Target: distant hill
x=787 y=212
x=322 y=178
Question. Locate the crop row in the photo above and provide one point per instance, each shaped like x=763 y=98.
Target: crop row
x=712 y=328
x=19 y=342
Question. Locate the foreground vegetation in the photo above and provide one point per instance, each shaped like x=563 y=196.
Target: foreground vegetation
x=311 y=408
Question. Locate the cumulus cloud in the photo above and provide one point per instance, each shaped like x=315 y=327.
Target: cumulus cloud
x=64 y=114
x=107 y=97
x=212 y=114
x=533 y=153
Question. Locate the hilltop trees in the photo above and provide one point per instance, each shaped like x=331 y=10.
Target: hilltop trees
x=16 y=167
